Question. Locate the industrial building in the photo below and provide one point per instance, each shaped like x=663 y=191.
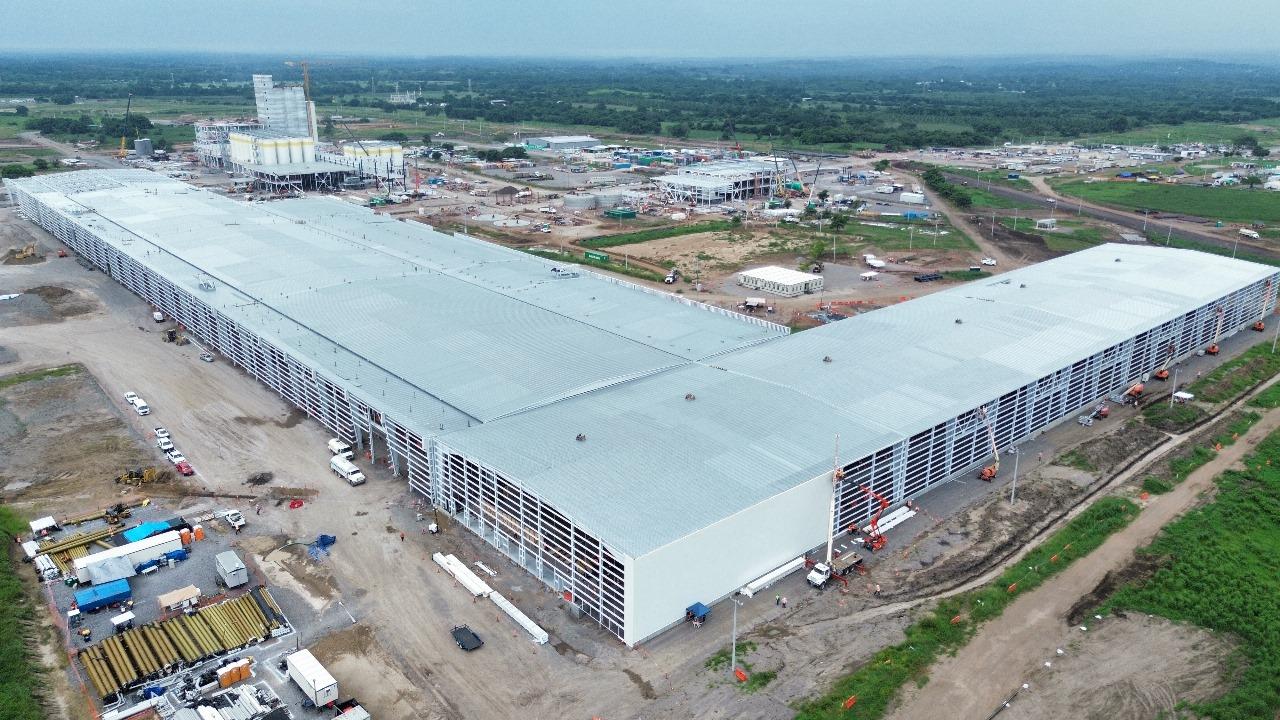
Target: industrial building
x=636 y=451
x=213 y=141
x=281 y=161
x=561 y=143
x=284 y=108
x=780 y=281
x=715 y=183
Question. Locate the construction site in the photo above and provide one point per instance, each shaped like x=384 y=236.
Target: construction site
x=590 y=482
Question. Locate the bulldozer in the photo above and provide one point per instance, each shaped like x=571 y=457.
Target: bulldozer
x=144 y=476
x=29 y=250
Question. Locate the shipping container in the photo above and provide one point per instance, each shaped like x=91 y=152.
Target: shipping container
x=94 y=598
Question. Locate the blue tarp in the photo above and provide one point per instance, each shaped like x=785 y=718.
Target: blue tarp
x=697 y=611
x=144 y=531
x=103 y=595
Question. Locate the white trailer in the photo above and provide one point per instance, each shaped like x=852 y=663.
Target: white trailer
x=135 y=553
x=346 y=470
x=231 y=570
x=911 y=198
x=308 y=674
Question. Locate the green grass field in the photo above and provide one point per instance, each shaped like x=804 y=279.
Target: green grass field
x=21 y=684
x=950 y=624
x=639 y=236
x=1188 y=132
x=1071 y=235
x=997 y=177
x=1220 y=572
x=1228 y=204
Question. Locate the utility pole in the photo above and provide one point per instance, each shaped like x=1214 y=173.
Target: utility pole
x=1169 y=238
x=1175 y=387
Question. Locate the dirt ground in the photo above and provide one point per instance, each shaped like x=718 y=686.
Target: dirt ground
x=1008 y=649
x=1138 y=668
x=65 y=442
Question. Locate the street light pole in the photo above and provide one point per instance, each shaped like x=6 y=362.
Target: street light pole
x=1175 y=388
x=1234 y=246
x=1013 y=488
x=733 y=638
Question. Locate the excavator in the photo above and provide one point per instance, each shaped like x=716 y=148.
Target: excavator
x=874 y=540
x=1217 y=334
x=1163 y=372
x=989 y=472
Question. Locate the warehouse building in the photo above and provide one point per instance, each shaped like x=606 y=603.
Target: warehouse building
x=780 y=281
x=561 y=143
x=635 y=451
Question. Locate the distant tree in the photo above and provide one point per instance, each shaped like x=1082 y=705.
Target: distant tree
x=436 y=155
x=40 y=164
x=16 y=170
x=447 y=146
x=823 y=195
x=817 y=249
x=21 y=111
x=396 y=137
x=680 y=130
x=161 y=143
x=882 y=165
x=328 y=128
x=839 y=221
x=426 y=138
x=501 y=136
x=1252 y=181
x=516 y=152
x=1260 y=151
x=63 y=99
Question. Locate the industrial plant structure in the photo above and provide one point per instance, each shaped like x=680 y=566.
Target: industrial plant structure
x=636 y=451
x=715 y=183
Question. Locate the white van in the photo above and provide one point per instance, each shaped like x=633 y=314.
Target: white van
x=341 y=449
x=346 y=470
x=141 y=407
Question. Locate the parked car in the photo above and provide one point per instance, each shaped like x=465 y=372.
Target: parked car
x=175 y=456
x=165 y=444
x=162 y=433
x=466 y=638
x=988 y=261
x=140 y=406
x=234 y=518
x=184 y=468
x=130 y=397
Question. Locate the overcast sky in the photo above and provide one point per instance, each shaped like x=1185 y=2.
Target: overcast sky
x=651 y=28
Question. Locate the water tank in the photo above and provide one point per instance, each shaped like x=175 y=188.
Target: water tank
x=580 y=202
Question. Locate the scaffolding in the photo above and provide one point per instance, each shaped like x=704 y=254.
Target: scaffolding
x=213 y=144
x=715 y=183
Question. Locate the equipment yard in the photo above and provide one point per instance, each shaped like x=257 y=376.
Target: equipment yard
x=376 y=611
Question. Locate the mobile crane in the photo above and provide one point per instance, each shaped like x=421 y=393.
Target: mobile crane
x=989 y=472
x=874 y=540
x=1163 y=372
x=1261 y=324
x=1217 y=334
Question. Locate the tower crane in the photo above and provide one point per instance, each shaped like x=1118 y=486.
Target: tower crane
x=306 y=76
x=989 y=472
x=1163 y=372
x=128 y=107
x=1217 y=334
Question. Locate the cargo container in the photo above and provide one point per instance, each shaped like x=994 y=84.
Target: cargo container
x=310 y=676
x=95 y=598
x=911 y=198
x=135 y=553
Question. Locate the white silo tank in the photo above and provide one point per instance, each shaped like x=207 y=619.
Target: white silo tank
x=308 y=150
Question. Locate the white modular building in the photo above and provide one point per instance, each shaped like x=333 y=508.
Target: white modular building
x=562 y=143
x=635 y=451
x=780 y=281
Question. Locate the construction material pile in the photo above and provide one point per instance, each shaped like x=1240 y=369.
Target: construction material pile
x=151 y=651
x=67 y=550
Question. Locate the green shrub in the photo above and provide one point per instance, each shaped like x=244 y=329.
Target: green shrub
x=1222 y=575
x=1230 y=379
x=21 y=684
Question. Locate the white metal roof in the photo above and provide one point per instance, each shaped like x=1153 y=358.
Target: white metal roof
x=781 y=275
x=438 y=330
x=568 y=139
x=656 y=467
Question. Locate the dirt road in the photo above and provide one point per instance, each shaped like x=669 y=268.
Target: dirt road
x=973 y=682
x=960 y=221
